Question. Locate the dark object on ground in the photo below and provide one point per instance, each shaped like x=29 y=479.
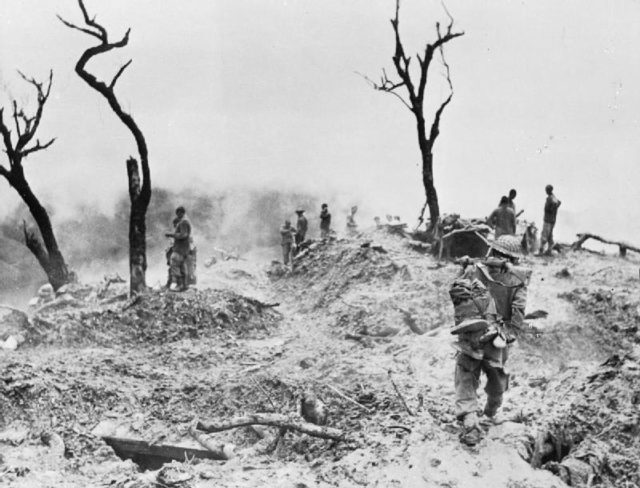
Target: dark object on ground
x=151 y=456
x=563 y=273
x=537 y=314
x=463 y=242
x=312 y=409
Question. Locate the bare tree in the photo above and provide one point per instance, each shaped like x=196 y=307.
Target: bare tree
x=415 y=91
x=49 y=255
x=139 y=185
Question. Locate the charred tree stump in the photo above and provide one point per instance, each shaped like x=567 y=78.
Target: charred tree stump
x=46 y=252
x=139 y=178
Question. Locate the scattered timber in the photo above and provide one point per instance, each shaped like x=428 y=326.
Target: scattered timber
x=289 y=422
x=623 y=246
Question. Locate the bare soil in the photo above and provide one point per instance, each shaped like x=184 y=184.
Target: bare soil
x=350 y=318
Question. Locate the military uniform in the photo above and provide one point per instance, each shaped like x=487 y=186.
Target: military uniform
x=287 y=234
x=301 y=229
x=551 y=205
x=180 y=251
x=507 y=286
x=325 y=223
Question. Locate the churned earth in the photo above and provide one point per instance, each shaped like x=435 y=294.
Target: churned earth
x=362 y=322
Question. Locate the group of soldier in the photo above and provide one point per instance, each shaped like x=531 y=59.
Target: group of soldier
x=293 y=238
x=503 y=218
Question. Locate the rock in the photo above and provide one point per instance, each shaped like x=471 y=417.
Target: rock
x=563 y=273
x=11 y=344
x=313 y=409
x=306 y=363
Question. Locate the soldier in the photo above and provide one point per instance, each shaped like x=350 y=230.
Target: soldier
x=301 y=227
x=550 y=212
x=287 y=233
x=352 y=227
x=180 y=250
x=511 y=204
x=503 y=219
x=325 y=221
x=485 y=336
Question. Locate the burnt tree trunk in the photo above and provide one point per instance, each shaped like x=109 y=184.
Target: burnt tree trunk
x=426 y=151
x=137 y=230
x=49 y=255
x=139 y=184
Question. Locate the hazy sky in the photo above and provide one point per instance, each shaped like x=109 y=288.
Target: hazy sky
x=263 y=93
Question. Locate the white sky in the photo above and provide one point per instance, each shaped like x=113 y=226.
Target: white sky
x=263 y=93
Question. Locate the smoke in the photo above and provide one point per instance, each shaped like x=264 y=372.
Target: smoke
x=94 y=242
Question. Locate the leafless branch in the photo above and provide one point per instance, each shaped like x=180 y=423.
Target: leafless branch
x=107 y=91
x=31 y=123
x=444 y=7
x=120 y=71
x=15 y=118
x=389 y=89
x=37 y=147
x=6 y=133
x=447 y=69
x=86 y=31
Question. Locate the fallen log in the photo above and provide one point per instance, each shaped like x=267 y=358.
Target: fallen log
x=289 y=422
x=623 y=246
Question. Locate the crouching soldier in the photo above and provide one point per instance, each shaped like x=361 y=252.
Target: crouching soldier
x=489 y=301
x=178 y=273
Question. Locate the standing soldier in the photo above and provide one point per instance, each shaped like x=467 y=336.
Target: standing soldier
x=489 y=299
x=352 y=227
x=503 y=219
x=301 y=227
x=325 y=222
x=550 y=212
x=287 y=234
x=180 y=249
x=511 y=204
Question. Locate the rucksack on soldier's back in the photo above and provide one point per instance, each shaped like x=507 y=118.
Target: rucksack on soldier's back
x=470 y=302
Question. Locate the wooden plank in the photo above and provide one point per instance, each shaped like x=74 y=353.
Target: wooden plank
x=153 y=456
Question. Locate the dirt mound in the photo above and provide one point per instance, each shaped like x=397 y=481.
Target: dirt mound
x=327 y=269
x=594 y=437
x=617 y=311
x=156 y=317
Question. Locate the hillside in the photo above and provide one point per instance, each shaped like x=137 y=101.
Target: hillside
x=363 y=323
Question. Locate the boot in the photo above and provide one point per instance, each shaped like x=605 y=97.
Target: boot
x=182 y=284
x=472 y=432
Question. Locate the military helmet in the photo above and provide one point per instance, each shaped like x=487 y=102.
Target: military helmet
x=508 y=245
